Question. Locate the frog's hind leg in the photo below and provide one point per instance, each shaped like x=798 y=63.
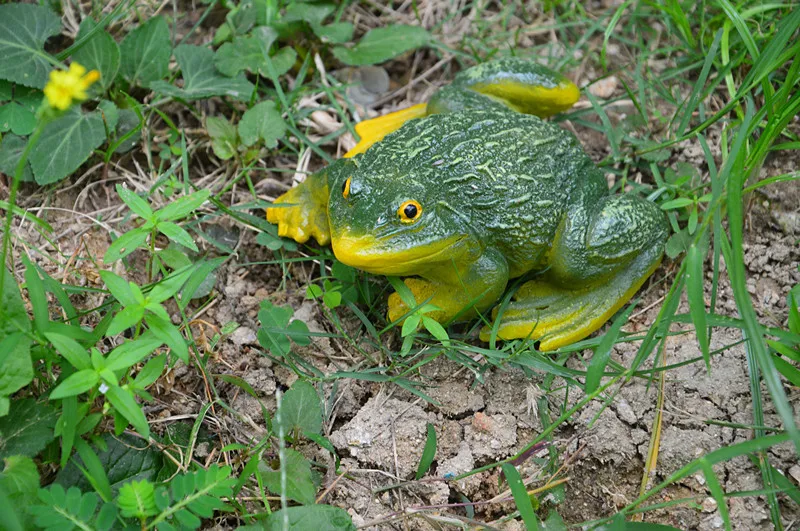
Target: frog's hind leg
x=374 y=129
x=521 y=85
x=598 y=266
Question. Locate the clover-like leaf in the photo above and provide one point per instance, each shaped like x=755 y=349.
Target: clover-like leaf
x=262 y=122
x=201 y=79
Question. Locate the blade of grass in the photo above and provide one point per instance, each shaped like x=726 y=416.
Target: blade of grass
x=521 y=498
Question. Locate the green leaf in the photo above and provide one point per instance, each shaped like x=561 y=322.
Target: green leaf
x=603 y=352
x=19 y=114
x=126 y=458
x=300 y=408
x=436 y=330
x=299 y=483
x=382 y=44
x=137 y=499
x=16 y=371
x=145 y=52
x=125 y=245
x=224 y=138
x=521 y=498
x=316 y=517
x=110 y=114
x=695 y=284
x=19 y=483
x=134 y=202
x=64 y=510
x=246 y=53
x=11 y=148
x=183 y=207
x=65 y=144
x=27 y=428
x=150 y=372
x=335 y=33
x=118 y=287
x=201 y=78
x=24 y=28
x=262 y=122
x=177 y=235
x=128 y=317
x=72 y=351
x=677 y=203
x=169 y=286
x=100 y=53
x=131 y=352
x=126 y=405
x=428 y=453
x=75 y=384
x=36 y=295
x=167 y=332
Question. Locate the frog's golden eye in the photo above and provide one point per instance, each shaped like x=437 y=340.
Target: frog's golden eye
x=410 y=211
x=346 y=188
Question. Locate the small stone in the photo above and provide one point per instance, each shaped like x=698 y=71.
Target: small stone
x=605 y=87
x=243 y=336
x=795 y=472
x=709 y=505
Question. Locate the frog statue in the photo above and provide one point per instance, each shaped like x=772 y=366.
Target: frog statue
x=473 y=189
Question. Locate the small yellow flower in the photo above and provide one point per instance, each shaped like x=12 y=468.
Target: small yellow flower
x=64 y=87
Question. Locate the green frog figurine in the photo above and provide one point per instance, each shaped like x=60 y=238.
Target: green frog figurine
x=473 y=189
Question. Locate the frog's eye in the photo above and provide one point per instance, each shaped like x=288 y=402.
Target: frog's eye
x=410 y=211
x=346 y=188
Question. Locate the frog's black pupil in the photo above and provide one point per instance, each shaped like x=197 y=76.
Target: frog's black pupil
x=344 y=188
x=410 y=211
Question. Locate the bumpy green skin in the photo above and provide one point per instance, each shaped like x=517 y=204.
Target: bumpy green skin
x=521 y=194
x=512 y=195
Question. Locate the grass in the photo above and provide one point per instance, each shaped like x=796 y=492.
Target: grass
x=716 y=75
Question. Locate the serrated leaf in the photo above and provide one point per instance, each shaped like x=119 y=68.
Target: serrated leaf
x=20 y=479
x=11 y=148
x=27 y=428
x=300 y=408
x=262 y=122
x=16 y=371
x=126 y=458
x=299 y=482
x=24 y=28
x=316 y=517
x=145 y=52
x=382 y=44
x=100 y=52
x=201 y=79
x=65 y=144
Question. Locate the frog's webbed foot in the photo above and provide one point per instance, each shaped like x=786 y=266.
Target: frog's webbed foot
x=423 y=290
x=305 y=211
x=558 y=316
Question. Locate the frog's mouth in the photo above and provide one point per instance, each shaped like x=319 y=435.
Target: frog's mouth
x=372 y=255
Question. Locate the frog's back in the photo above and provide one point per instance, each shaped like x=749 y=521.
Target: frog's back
x=509 y=176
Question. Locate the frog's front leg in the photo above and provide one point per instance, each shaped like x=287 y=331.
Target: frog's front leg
x=304 y=210
x=604 y=253
x=460 y=292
